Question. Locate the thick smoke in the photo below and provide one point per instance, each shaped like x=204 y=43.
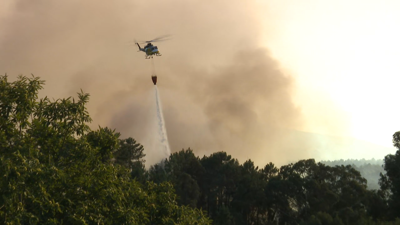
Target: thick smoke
x=243 y=108
x=220 y=91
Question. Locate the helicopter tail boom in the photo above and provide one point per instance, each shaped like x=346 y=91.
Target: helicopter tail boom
x=140 y=49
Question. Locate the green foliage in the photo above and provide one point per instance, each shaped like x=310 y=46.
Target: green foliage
x=157 y=173
x=55 y=170
x=129 y=152
x=138 y=172
x=249 y=197
x=105 y=141
x=130 y=155
x=234 y=193
x=390 y=182
x=219 y=183
x=369 y=169
x=184 y=169
x=322 y=218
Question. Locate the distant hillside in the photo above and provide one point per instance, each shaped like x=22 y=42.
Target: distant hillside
x=331 y=147
x=369 y=169
x=322 y=147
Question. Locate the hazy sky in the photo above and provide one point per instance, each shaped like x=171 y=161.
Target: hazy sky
x=237 y=76
x=347 y=52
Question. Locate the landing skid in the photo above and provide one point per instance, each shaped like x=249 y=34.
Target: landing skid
x=151 y=56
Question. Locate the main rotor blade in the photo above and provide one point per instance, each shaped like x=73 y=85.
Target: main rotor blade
x=158 y=39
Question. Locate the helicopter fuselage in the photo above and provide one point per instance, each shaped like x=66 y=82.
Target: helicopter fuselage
x=150 y=50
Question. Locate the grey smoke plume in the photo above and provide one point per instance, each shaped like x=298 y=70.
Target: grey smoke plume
x=220 y=90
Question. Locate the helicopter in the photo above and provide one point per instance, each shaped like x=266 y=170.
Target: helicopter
x=150 y=49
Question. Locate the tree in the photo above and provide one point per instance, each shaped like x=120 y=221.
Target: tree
x=390 y=182
x=218 y=185
x=248 y=200
x=130 y=155
x=308 y=191
x=185 y=171
x=105 y=141
x=55 y=170
x=129 y=152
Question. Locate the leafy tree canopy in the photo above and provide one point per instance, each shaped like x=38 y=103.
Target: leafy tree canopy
x=55 y=170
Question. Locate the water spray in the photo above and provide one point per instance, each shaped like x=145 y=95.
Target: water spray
x=162 y=131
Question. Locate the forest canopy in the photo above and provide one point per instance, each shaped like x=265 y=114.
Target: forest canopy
x=56 y=170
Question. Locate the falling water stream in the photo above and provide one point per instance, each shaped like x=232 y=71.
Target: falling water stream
x=162 y=131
